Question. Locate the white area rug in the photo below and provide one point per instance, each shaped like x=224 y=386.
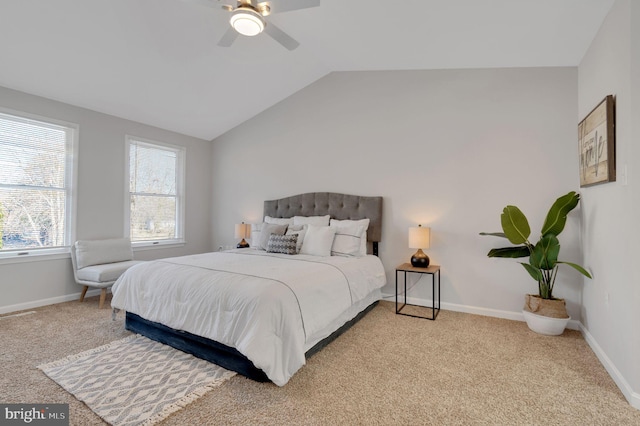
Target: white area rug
x=135 y=381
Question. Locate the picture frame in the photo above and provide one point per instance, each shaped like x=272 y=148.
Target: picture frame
x=597 y=145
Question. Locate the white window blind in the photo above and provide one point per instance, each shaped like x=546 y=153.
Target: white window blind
x=36 y=160
x=155 y=191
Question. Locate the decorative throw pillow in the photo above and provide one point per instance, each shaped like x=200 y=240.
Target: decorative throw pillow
x=285 y=244
x=267 y=230
x=300 y=231
x=362 y=222
x=347 y=241
x=311 y=220
x=318 y=240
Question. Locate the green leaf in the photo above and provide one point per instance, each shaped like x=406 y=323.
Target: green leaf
x=545 y=254
x=557 y=216
x=515 y=225
x=511 y=252
x=578 y=268
x=535 y=273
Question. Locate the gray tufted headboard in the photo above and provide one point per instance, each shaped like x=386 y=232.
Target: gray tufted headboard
x=338 y=206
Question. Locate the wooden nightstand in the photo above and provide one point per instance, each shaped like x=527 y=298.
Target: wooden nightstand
x=432 y=270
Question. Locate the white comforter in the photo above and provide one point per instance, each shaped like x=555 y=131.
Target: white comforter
x=270 y=307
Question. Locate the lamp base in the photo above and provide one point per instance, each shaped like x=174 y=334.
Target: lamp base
x=419 y=259
x=242 y=244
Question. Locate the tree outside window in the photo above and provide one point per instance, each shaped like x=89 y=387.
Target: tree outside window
x=155 y=176
x=34 y=183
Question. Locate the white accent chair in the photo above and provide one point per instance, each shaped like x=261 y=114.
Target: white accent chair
x=99 y=263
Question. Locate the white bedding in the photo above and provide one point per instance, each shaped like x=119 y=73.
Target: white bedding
x=270 y=307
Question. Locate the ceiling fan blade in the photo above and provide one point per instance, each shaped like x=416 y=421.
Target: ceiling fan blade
x=211 y=3
x=289 y=5
x=280 y=36
x=228 y=38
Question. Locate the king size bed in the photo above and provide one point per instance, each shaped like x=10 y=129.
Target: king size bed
x=263 y=312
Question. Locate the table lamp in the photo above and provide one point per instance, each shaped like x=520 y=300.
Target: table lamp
x=419 y=239
x=243 y=230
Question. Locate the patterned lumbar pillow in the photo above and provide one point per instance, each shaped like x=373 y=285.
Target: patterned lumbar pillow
x=282 y=244
x=266 y=231
x=300 y=231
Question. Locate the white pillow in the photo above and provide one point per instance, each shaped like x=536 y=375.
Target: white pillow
x=348 y=241
x=362 y=222
x=311 y=220
x=256 y=231
x=300 y=231
x=279 y=220
x=318 y=240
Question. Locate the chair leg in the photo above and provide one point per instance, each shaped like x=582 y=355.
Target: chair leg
x=84 y=291
x=103 y=295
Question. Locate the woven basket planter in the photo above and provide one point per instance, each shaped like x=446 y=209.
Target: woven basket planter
x=553 y=308
x=545 y=316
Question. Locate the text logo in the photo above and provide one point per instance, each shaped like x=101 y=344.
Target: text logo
x=34 y=414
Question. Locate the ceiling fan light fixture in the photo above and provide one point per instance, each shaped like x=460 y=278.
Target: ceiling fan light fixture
x=247 y=21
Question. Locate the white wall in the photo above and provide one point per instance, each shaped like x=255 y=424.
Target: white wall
x=101 y=197
x=610 y=227
x=445 y=148
x=634 y=151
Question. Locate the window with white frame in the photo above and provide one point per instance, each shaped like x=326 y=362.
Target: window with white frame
x=156 y=201
x=36 y=184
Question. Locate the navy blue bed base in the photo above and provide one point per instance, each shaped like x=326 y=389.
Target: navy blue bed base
x=212 y=351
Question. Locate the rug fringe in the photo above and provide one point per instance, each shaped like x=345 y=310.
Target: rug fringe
x=66 y=360
x=187 y=399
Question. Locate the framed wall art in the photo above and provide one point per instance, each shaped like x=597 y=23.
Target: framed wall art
x=597 y=145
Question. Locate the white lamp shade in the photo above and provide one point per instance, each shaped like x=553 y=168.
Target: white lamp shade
x=419 y=237
x=243 y=230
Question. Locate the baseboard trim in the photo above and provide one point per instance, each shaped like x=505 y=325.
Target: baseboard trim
x=496 y=313
x=45 y=302
x=618 y=378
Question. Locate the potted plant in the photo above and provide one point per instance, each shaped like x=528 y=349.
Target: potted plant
x=544 y=313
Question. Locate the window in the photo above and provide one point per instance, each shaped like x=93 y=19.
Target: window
x=36 y=181
x=156 y=202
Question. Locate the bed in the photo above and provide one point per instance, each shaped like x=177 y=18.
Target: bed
x=252 y=311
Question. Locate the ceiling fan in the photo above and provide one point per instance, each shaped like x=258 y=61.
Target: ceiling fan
x=248 y=18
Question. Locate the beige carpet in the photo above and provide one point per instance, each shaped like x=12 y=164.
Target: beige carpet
x=387 y=370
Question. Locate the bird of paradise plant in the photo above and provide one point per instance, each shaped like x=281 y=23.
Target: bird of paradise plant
x=543 y=255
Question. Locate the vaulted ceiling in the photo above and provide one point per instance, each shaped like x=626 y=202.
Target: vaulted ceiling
x=157 y=61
